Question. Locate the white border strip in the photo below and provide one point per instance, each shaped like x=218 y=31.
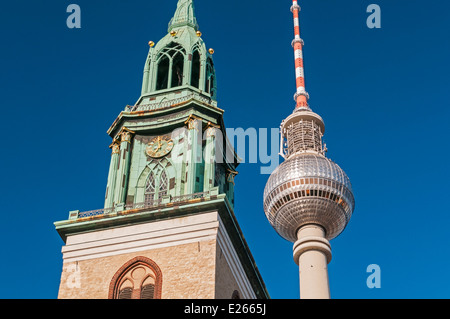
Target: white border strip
x=234 y=263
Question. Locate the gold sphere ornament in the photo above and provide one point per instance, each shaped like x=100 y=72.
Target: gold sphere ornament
x=199 y=34
x=151 y=44
x=173 y=33
x=211 y=51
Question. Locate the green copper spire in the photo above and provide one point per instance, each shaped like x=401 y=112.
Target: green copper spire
x=184 y=16
x=178 y=62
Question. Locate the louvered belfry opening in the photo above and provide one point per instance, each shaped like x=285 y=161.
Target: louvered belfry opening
x=137 y=283
x=170 y=63
x=148 y=291
x=137 y=280
x=196 y=67
x=125 y=293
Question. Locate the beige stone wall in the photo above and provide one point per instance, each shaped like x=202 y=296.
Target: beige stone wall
x=225 y=282
x=188 y=272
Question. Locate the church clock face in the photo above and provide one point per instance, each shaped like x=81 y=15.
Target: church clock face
x=159 y=146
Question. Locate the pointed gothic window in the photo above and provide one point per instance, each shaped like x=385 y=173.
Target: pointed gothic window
x=210 y=79
x=139 y=278
x=163 y=73
x=177 y=70
x=170 y=67
x=156 y=186
x=195 y=72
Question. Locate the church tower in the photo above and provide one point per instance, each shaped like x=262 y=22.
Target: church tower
x=167 y=229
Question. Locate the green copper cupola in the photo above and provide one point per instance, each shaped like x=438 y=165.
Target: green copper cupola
x=179 y=61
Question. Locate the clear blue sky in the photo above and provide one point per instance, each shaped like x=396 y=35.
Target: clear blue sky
x=383 y=95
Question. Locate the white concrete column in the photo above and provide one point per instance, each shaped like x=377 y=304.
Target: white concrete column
x=312 y=252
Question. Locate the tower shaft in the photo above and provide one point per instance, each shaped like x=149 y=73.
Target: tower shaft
x=312 y=252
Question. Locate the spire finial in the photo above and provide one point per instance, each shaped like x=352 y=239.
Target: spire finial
x=184 y=15
x=301 y=96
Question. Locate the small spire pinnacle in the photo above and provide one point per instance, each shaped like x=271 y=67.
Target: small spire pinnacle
x=301 y=96
x=184 y=15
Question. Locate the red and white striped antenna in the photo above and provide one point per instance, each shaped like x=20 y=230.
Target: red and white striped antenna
x=301 y=96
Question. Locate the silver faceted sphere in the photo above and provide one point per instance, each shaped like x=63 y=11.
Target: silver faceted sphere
x=308 y=189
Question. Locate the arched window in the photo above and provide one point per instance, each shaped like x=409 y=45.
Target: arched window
x=156 y=186
x=170 y=67
x=139 y=278
x=177 y=70
x=156 y=180
x=195 y=71
x=163 y=73
x=210 y=78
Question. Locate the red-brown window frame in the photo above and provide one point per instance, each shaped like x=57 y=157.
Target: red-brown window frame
x=136 y=261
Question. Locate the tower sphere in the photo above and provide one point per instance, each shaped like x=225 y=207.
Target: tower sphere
x=308 y=189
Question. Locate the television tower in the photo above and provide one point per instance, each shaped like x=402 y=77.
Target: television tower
x=308 y=199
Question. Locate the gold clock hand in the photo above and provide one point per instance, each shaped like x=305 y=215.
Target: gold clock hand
x=159 y=142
